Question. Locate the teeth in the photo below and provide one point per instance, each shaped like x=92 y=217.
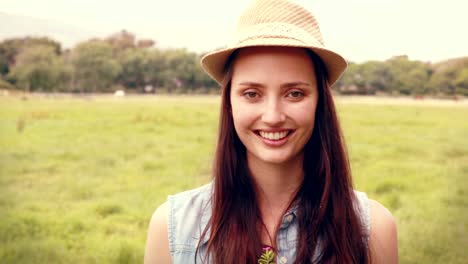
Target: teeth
x=274 y=135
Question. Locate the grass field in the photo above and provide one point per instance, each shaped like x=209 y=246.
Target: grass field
x=80 y=177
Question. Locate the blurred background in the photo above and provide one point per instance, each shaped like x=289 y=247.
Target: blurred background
x=394 y=47
x=105 y=110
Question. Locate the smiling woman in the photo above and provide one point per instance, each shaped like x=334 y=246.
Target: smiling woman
x=273 y=107
x=281 y=189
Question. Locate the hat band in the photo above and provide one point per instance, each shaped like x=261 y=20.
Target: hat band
x=277 y=30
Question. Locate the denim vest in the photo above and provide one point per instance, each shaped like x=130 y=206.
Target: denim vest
x=190 y=211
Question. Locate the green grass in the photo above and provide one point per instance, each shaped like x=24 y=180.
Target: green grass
x=414 y=160
x=80 y=177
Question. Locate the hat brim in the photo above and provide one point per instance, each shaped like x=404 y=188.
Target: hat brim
x=214 y=62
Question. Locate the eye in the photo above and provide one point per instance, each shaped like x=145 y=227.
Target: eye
x=251 y=94
x=295 y=94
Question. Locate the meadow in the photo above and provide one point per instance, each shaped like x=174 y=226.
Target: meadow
x=81 y=176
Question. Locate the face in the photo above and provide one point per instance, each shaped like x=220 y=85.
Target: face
x=273 y=99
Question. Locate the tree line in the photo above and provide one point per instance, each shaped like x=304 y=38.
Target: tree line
x=122 y=62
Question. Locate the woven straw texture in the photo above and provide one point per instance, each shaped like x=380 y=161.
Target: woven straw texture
x=276 y=23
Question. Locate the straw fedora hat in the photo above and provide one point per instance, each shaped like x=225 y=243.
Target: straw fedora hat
x=276 y=23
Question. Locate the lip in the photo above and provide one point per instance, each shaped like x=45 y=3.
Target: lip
x=274 y=143
x=274 y=130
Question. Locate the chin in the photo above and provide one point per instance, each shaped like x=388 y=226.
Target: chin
x=273 y=159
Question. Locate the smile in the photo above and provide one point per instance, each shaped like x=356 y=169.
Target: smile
x=275 y=136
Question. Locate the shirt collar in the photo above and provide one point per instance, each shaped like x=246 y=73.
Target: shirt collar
x=287 y=220
x=289 y=217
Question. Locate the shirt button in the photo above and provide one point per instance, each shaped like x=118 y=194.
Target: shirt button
x=283 y=260
x=289 y=218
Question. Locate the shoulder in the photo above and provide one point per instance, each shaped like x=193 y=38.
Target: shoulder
x=188 y=215
x=363 y=210
x=383 y=234
x=380 y=229
x=201 y=192
x=189 y=204
x=157 y=243
x=175 y=224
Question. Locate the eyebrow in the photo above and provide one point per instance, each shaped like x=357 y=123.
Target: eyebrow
x=284 y=85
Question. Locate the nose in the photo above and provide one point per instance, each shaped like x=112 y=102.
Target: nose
x=273 y=114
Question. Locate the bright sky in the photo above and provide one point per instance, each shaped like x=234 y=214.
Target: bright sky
x=359 y=29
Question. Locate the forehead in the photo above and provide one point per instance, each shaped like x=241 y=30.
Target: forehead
x=266 y=64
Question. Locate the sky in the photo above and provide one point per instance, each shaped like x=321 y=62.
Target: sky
x=360 y=30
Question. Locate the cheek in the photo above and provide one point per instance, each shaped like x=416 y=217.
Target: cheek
x=305 y=116
x=243 y=119
x=241 y=116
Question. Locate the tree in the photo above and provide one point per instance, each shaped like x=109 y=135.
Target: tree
x=145 y=43
x=39 y=68
x=10 y=48
x=135 y=65
x=416 y=80
x=94 y=66
x=461 y=82
x=449 y=77
x=121 y=41
x=362 y=78
x=4 y=64
x=408 y=77
x=376 y=75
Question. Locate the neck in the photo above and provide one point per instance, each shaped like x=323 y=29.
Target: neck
x=276 y=184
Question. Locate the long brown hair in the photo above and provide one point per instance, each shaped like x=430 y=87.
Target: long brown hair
x=325 y=198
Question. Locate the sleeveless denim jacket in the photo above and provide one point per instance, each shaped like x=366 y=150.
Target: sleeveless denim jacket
x=190 y=211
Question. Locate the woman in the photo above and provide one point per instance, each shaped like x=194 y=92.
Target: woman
x=282 y=190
